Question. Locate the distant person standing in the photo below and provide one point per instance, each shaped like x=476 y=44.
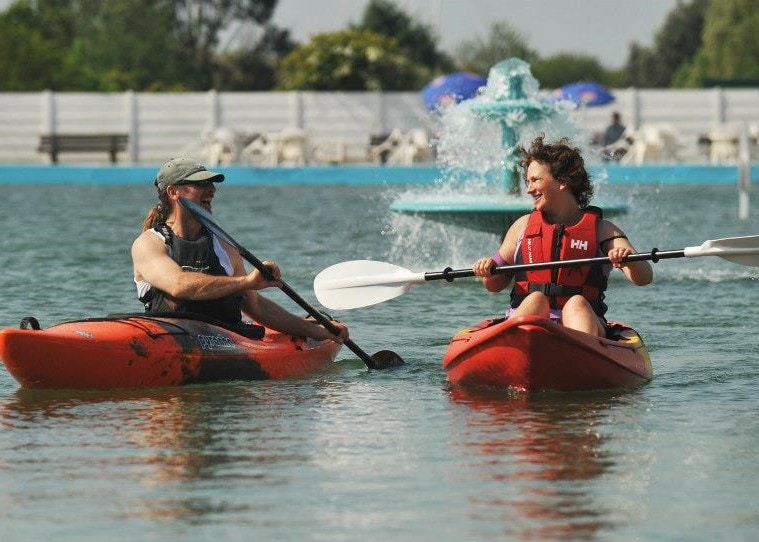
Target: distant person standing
x=615 y=130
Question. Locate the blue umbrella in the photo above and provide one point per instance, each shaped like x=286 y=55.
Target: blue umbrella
x=452 y=88
x=584 y=93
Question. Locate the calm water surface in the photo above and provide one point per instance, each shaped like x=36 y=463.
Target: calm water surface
x=395 y=455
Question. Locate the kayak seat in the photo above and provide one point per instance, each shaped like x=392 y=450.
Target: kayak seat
x=614 y=331
x=249 y=330
x=246 y=329
x=29 y=322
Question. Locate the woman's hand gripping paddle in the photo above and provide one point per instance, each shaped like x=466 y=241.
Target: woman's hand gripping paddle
x=360 y=283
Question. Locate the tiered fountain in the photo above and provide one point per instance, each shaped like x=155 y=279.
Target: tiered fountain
x=481 y=188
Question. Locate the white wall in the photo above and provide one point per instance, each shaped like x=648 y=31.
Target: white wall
x=162 y=125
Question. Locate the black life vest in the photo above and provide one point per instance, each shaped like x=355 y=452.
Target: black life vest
x=544 y=242
x=197 y=255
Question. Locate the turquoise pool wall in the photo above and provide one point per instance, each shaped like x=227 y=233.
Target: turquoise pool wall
x=355 y=175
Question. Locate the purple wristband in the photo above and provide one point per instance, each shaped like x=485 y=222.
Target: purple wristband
x=498 y=259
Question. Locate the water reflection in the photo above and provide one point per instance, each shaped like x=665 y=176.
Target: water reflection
x=175 y=452
x=538 y=457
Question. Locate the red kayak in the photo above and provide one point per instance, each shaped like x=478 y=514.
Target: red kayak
x=535 y=354
x=140 y=351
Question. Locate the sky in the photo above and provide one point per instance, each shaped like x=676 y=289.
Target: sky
x=601 y=28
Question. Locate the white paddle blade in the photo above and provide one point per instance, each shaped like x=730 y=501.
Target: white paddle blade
x=740 y=250
x=360 y=283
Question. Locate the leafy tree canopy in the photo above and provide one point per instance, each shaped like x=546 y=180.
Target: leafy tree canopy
x=502 y=42
x=675 y=45
x=415 y=40
x=253 y=67
x=118 y=45
x=559 y=70
x=349 y=60
x=177 y=45
x=729 y=50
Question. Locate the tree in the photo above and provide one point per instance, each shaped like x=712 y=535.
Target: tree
x=644 y=69
x=502 y=42
x=349 y=60
x=558 y=70
x=33 y=45
x=729 y=51
x=139 y=45
x=253 y=67
x=27 y=60
x=199 y=23
x=119 y=52
x=675 y=45
x=415 y=40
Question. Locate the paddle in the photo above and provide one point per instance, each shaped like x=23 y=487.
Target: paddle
x=381 y=360
x=360 y=283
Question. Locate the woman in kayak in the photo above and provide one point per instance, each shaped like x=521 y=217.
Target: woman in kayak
x=181 y=266
x=562 y=226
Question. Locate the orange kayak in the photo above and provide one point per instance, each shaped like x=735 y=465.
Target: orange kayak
x=140 y=351
x=536 y=354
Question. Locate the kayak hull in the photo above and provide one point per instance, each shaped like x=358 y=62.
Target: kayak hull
x=535 y=354
x=140 y=351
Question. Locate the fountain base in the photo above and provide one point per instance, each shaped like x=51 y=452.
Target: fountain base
x=490 y=216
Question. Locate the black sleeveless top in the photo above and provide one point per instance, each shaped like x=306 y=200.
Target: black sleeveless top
x=199 y=256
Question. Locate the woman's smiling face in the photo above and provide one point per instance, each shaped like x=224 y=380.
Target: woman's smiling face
x=541 y=184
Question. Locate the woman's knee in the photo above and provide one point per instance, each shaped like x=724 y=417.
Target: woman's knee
x=578 y=313
x=577 y=303
x=535 y=303
x=577 y=307
x=539 y=300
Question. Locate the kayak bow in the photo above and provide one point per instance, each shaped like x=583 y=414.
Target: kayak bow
x=140 y=351
x=535 y=354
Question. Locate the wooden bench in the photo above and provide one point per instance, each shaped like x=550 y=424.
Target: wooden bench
x=53 y=144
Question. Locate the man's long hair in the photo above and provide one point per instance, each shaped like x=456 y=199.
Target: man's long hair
x=158 y=214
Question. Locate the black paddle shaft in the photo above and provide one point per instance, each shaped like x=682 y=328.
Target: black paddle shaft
x=655 y=255
x=381 y=360
x=318 y=316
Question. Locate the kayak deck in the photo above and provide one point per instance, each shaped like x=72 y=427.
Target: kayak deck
x=536 y=354
x=139 y=350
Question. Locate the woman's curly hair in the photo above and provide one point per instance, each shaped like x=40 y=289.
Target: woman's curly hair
x=566 y=164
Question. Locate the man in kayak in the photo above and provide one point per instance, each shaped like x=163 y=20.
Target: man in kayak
x=562 y=226
x=181 y=266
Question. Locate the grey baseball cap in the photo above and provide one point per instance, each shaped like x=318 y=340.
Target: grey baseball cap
x=184 y=170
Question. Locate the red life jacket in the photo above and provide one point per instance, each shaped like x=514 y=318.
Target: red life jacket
x=544 y=242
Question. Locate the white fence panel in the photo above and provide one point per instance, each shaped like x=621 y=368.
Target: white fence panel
x=167 y=124
x=743 y=106
x=257 y=112
x=20 y=126
x=89 y=112
x=336 y=124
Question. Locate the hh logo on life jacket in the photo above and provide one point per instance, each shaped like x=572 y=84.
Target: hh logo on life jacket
x=576 y=243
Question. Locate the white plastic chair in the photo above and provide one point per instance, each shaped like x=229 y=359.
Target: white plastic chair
x=387 y=147
x=261 y=151
x=723 y=148
x=291 y=146
x=219 y=146
x=405 y=148
x=653 y=143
